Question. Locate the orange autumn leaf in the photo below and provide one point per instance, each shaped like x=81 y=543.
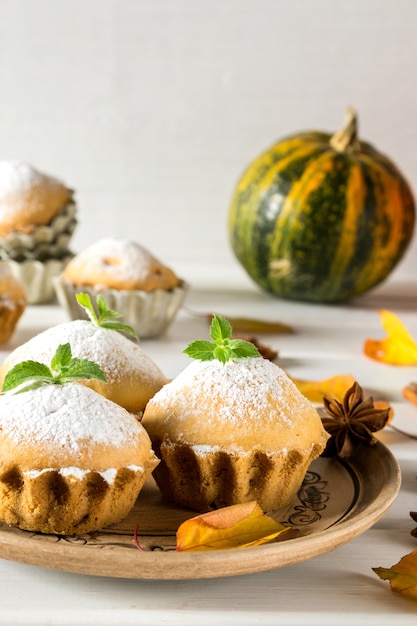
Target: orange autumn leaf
x=383 y=404
x=398 y=348
x=335 y=386
x=402 y=576
x=236 y=526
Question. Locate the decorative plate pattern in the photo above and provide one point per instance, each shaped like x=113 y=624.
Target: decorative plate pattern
x=338 y=501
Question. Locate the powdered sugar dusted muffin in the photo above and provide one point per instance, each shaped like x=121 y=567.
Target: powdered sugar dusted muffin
x=12 y=303
x=132 y=280
x=37 y=220
x=132 y=377
x=71 y=461
x=233 y=431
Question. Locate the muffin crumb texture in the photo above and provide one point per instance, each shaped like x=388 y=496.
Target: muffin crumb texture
x=71 y=461
x=119 y=264
x=230 y=433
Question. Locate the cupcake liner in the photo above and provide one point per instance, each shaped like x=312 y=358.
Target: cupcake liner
x=150 y=314
x=41 y=252
x=204 y=477
x=79 y=500
x=64 y=222
x=37 y=277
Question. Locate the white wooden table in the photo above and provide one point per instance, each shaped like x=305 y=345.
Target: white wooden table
x=336 y=588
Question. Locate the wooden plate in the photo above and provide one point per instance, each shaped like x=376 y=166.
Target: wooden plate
x=337 y=501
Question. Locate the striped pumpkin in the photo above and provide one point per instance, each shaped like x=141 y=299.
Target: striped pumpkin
x=320 y=217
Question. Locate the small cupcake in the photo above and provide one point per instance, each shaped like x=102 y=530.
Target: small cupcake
x=146 y=292
x=37 y=220
x=232 y=430
x=12 y=303
x=132 y=377
x=71 y=461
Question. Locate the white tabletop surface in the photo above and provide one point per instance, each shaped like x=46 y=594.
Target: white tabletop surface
x=336 y=588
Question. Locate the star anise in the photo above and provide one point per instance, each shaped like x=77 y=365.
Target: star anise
x=351 y=422
x=413 y=515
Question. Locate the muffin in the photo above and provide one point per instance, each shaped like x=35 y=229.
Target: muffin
x=232 y=432
x=12 y=303
x=71 y=461
x=37 y=220
x=132 y=376
x=130 y=278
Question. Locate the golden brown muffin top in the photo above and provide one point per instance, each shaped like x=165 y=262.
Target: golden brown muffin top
x=241 y=404
x=119 y=264
x=132 y=377
x=28 y=198
x=70 y=425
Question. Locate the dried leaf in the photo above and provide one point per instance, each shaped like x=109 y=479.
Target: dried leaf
x=398 y=348
x=256 y=326
x=335 y=386
x=410 y=392
x=236 y=526
x=265 y=351
x=402 y=576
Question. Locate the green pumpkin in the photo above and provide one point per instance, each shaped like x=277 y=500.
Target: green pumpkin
x=320 y=217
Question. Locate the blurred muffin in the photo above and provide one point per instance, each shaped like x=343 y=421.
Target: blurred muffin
x=232 y=432
x=37 y=220
x=12 y=303
x=71 y=461
x=146 y=292
x=132 y=377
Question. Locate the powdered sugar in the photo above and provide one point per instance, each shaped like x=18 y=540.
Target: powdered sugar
x=111 y=350
x=252 y=385
x=120 y=258
x=18 y=176
x=66 y=417
x=75 y=472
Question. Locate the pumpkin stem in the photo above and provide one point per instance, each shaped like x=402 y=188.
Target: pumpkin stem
x=346 y=139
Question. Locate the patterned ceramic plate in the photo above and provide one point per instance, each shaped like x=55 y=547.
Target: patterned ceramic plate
x=337 y=502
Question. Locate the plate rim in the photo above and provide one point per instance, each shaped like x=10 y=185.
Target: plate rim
x=172 y=565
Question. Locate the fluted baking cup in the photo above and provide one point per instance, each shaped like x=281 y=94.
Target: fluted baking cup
x=37 y=277
x=63 y=223
x=150 y=314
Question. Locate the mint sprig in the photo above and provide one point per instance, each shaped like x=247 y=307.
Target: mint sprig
x=64 y=368
x=223 y=347
x=106 y=318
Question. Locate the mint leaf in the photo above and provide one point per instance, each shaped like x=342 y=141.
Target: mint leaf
x=222 y=353
x=223 y=347
x=84 y=300
x=104 y=311
x=62 y=358
x=220 y=329
x=200 y=349
x=82 y=369
x=107 y=318
x=64 y=368
x=26 y=371
x=119 y=326
x=243 y=349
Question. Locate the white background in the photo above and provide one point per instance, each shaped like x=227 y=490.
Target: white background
x=150 y=109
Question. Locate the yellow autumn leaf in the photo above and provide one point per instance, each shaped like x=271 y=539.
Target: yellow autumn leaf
x=236 y=526
x=402 y=576
x=335 y=386
x=398 y=348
